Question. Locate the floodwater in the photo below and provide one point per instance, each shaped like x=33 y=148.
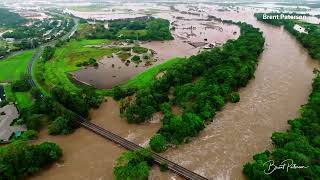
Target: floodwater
x=111 y=71
x=281 y=85
x=190 y=29
x=87 y=156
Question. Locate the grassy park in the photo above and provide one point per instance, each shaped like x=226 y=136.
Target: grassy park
x=13 y=66
x=146 y=78
x=65 y=60
x=11 y=70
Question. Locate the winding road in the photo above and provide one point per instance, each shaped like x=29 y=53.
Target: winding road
x=282 y=84
x=157 y=159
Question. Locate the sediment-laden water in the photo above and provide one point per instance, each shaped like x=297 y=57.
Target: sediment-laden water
x=190 y=29
x=281 y=85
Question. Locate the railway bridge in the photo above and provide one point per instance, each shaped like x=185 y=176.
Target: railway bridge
x=157 y=159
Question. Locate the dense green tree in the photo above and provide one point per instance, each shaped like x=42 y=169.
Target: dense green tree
x=235 y=97
x=48 y=53
x=36 y=93
x=133 y=165
x=22 y=84
x=10 y=19
x=19 y=159
x=119 y=92
x=71 y=101
x=3 y=51
x=30 y=134
x=309 y=40
x=299 y=144
x=33 y=121
x=200 y=85
x=60 y=126
x=147 y=28
x=158 y=143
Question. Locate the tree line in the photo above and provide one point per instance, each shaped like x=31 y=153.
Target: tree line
x=19 y=159
x=309 y=40
x=10 y=19
x=200 y=86
x=133 y=165
x=148 y=28
x=300 y=144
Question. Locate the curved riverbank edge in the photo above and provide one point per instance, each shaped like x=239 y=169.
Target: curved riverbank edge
x=299 y=145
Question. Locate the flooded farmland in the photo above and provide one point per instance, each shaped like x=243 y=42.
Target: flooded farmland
x=191 y=35
x=282 y=83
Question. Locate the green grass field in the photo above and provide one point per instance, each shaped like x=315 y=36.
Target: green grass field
x=65 y=60
x=9 y=94
x=56 y=71
x=131 y=34
x=12 y=67
x=23 y=99
x=147 y=77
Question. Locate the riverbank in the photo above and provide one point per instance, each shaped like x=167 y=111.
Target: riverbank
x=299 y=143
x=281 y=85
x=89 y=156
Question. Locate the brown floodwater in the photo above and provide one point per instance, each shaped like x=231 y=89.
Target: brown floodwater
x=281 y=85
x=87 y=156
x=112 y=71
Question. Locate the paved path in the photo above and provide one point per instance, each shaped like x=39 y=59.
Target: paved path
x=11 y=113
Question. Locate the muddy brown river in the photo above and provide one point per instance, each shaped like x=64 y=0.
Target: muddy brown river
x=281 y=85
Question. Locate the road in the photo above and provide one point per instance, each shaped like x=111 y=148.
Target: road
x=39 y=50
x=109 y=135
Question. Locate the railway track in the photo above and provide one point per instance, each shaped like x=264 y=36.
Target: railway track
x=183 y=172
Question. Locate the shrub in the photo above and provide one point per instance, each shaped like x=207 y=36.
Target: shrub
x=158 y=143
x=133 y=165
x=135 y=58
x=60 y=126
x=163 y=167
x=22 y=85
x=235 y=97
x=19 y=159
x=30 y=134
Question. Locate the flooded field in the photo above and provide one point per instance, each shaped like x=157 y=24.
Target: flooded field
x=281 y=85
x=191 y=35
x=111 y=71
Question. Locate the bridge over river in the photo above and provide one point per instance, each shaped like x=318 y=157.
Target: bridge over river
x=157 y=159
x=132 y=146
